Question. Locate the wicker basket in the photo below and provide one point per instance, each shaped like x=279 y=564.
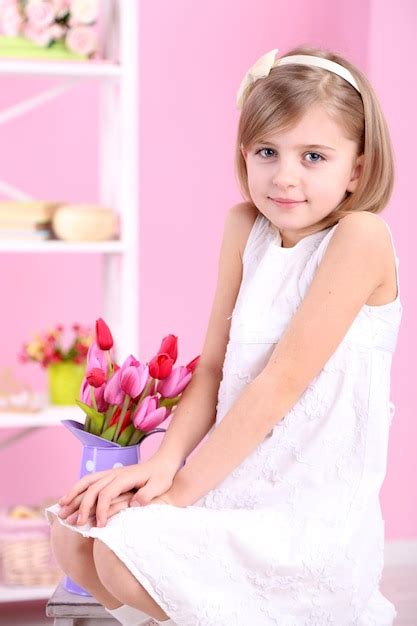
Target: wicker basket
x=25 y=553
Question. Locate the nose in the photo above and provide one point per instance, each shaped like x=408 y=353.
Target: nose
x=286 y=174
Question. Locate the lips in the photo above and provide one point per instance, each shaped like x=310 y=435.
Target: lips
x=286 y=200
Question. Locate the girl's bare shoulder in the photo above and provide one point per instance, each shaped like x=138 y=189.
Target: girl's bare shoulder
x=245 y=214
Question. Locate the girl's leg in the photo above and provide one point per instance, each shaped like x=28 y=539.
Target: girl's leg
x=74 y=554
x=121 y=583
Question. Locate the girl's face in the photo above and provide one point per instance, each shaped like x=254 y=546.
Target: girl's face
x=313 y=163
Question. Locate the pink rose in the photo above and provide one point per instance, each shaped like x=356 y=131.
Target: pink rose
x=56 y=31
x=40 y=14
x=82 y=40
x=61 y=7
x=84 y=11
x=10 y=20
x=39 y=37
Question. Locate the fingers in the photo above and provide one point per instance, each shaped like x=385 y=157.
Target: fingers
x=120 y=485
x=81 y=485
x=117 y=506
x=68 y=509
x=121 y=502
x=90 y=498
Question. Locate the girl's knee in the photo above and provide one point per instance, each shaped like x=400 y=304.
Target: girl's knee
x=103 y=560
x=68 y=545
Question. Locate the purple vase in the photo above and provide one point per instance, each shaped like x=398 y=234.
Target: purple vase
x=100 y=454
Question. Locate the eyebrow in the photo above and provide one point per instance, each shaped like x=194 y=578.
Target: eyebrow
x=312 y=145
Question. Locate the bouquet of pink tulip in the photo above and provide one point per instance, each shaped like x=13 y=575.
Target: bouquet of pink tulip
x=124 y=403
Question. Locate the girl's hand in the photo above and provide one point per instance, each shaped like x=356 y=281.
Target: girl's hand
x=99 y=489
x=119 y=503
x=164 y=499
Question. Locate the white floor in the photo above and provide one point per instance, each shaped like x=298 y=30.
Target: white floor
x=399 y=584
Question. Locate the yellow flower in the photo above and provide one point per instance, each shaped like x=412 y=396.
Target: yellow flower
x=34 y=349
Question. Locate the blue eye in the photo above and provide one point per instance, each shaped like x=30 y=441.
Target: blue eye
x=316 y=160
x=262 y=149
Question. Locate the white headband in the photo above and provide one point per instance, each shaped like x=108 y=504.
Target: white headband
x=265 y=63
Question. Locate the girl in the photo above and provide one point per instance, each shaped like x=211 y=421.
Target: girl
x=276 y=519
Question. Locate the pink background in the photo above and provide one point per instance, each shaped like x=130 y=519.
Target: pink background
x=192 y=58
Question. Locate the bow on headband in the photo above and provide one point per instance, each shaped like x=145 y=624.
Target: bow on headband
x=261 y=68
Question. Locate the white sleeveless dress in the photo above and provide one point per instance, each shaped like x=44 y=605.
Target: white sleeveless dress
x=294 y=536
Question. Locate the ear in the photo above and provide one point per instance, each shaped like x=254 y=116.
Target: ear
x=356 y=172
x=243 y=151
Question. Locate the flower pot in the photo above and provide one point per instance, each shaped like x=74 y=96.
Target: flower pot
x=20 y=47
x=64 y=382
x=99 y=454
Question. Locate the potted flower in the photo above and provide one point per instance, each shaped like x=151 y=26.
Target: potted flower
x=123 y=405
x=64 y=358
x=50 y=29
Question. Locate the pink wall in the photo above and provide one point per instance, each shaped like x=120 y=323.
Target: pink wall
x=193 y=56
x=391 y=62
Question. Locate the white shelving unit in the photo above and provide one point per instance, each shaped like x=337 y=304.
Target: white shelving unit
x=19 y=594
x=95 y=247
x=29 y=423
x=118 y=173
x=118 y=160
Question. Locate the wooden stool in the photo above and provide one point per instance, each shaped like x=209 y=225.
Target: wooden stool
x=70 y=609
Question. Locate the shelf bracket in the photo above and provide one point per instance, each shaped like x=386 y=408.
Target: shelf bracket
x=21 y=108
x=13 y=192
x=8 y=441
x=31 y=103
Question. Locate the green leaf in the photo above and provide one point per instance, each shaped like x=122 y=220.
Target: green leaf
x=89 y=410
x=96 y=424
x=124 y=438
x=109 y=432
x=136 y=437
x=169 y=402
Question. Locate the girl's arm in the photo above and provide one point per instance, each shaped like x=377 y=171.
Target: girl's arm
x=353 y=266
x=195 y=413
x=192 y=418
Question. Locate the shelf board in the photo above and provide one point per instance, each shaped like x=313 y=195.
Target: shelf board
x=76 y=69
x=52 y=245
x=18 y=593
x=50 y=416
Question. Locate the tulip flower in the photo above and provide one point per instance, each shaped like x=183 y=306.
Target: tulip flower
x=193 y=364
x=113 y=393
x=105 y=341
x=96 y=358
x=130 y=360
x=86 y=396
x=96 y=377
x=103 y=335
x=153 y=419
x=175 y=383
x=134 y=379
x=160 y=366
x=169 y=346
x=147 y=417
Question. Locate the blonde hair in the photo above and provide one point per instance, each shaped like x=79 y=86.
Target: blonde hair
x=278 y=101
